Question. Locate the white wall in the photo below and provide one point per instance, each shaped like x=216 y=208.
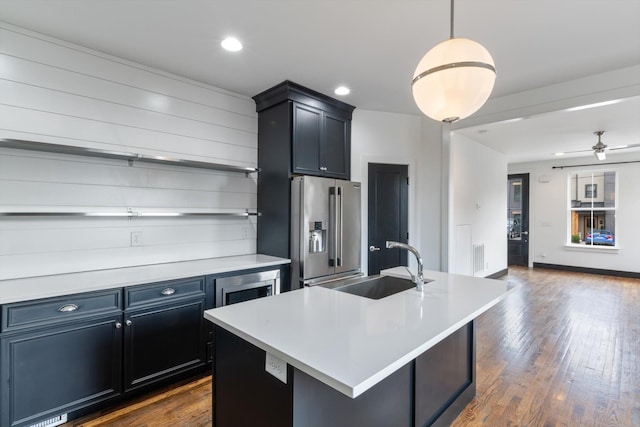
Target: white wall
x=52 y=91
x=548 y=224
x=478 y=206
x=546 y=235
x=379 y=137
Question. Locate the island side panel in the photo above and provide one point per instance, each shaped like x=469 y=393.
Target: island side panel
x=388 y=403
x=445 y=378
x=244 y=394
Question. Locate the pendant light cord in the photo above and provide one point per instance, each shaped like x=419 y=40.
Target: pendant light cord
x=451 y=33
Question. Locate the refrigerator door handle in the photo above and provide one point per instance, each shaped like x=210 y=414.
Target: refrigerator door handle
x=333 y=227
x=340 y=228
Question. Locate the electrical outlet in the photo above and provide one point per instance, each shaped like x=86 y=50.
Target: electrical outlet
x=136 y=238
x=276 y=367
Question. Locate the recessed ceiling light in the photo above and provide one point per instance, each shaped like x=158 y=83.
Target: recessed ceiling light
x=558 y=154
x=342 y=90
x=231 y=44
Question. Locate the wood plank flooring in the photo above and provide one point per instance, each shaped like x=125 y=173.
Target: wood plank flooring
x=561 y=350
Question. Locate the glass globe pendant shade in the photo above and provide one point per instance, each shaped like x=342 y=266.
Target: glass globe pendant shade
x=453 y=80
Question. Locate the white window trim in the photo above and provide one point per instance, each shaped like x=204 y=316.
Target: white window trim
x=583 y=247
x=593 y=248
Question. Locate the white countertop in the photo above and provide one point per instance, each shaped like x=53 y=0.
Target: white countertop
x=62 y=284
x=350 y=342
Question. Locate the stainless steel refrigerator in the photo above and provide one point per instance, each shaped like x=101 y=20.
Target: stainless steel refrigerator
x=325 y=230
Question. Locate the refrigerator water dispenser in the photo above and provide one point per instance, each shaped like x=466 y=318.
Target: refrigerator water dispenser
x=317 y=237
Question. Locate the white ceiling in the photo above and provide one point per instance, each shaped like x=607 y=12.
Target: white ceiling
x=372 y=46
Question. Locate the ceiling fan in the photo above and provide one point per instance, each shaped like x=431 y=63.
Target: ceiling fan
x=600 y=149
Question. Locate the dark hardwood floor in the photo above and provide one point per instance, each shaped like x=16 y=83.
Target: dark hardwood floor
x=561 y=350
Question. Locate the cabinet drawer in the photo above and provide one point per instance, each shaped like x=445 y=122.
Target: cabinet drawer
x=157 y=293
x=60 y=309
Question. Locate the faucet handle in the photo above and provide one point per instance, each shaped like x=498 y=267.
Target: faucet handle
x=413 y=278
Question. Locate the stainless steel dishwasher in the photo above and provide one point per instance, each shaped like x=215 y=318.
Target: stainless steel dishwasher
x=245 y=287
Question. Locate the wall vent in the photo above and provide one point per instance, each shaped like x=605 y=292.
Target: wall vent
x=478 y=258
x=54 y=421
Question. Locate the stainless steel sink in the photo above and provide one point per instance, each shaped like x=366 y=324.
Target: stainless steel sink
x=376 y=287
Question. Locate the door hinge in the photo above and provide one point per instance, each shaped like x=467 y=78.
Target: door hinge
x=407 y=180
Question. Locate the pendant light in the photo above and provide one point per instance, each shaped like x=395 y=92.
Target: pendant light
x=454 y=79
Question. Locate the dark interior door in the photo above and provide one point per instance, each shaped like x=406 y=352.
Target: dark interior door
x=388 y=215
x=518 y=219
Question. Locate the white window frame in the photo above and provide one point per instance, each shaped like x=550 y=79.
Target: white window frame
x=591 y=209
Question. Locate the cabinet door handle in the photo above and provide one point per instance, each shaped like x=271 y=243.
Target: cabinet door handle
x=68 y=308
x=128 y=322
x=118 y=325
x=373 y=248
x=323 y=168
x=168 y=291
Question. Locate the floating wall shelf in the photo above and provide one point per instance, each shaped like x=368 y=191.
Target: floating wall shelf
x=130 y=157
x=132 y=214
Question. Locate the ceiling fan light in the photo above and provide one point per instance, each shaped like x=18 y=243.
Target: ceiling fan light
x=600 y=155
x=453 y=80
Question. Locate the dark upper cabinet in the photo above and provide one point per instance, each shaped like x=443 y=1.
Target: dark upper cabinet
x=320 y=142
x=336 y=154
x=306 y=138
x=316 y=130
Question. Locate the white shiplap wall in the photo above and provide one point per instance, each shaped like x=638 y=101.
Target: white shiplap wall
x=52 y=91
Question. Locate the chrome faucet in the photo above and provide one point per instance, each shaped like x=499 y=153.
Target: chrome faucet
x=418 y=279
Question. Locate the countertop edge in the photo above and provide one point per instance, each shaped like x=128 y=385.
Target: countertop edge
x=314 y=373
x=31 y=288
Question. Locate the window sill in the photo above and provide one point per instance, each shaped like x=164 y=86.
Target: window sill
x=596 y=248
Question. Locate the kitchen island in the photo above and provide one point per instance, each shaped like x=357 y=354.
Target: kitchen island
x=317 y=356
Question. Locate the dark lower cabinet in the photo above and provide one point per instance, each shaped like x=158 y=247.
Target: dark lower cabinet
x=74 y=354
x=52 y=371
x=163 y=341
x=445 y=378
x=431 y=390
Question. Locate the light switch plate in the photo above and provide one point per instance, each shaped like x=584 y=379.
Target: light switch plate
x=136 y=238
x=276 y=367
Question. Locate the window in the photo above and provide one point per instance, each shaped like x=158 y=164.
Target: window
x=593 y=217
x=517 y=192
x=514 y=208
